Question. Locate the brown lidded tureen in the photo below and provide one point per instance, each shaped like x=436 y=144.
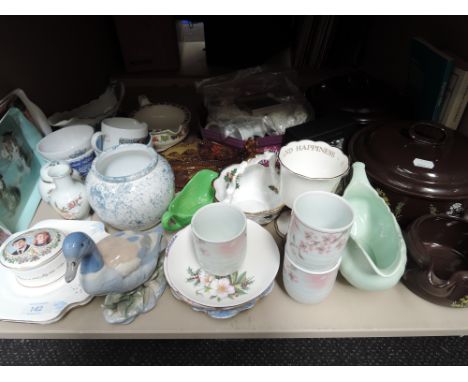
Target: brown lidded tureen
x=418 y=168
x=34 y=256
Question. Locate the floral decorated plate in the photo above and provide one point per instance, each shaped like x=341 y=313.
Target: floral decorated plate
x=258 y=271
x=48 y=303
x=223 y=313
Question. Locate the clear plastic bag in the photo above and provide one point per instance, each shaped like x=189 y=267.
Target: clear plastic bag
x=253 y=103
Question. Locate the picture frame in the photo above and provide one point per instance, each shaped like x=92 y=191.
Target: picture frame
x=19 y=170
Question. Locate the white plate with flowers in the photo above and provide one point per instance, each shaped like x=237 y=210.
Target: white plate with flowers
x=45 y=304
x=184 y=274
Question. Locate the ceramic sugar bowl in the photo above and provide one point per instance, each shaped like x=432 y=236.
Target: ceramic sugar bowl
x=130 y=186
x=34 y=256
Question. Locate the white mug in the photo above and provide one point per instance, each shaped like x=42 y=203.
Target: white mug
x=308 y=287
x=319 y=229
x=219 y=232
x=118 y=130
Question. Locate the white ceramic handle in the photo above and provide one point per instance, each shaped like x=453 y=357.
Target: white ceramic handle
x=36 y=113
x=143 y=100
x=94 y=139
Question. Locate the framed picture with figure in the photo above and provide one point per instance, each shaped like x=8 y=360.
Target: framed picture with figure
x=19 y=170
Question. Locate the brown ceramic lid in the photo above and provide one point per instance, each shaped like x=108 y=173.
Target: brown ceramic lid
x=422 y=159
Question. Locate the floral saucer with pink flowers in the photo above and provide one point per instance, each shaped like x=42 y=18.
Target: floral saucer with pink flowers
x=197 y=287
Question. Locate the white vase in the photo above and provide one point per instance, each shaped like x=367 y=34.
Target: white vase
x=69 y=197
x=46 y=184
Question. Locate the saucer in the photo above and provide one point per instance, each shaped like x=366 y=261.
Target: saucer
x=282 y=223
x=49 y=303
x=223 y=313
x=258 y=271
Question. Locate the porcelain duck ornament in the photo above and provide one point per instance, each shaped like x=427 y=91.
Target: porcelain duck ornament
x=119 y=263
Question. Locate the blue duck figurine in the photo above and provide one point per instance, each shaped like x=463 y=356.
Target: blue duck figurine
x=117 y=264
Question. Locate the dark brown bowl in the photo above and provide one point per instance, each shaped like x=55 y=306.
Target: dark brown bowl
x=437 y=267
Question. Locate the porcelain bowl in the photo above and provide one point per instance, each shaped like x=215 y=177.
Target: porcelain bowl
x=130 y=186
x=82 y=163
x=308 y=287
x=168 y=123
x=34 y=256
x=253 y=186
x=66 y=143
x=310 y=166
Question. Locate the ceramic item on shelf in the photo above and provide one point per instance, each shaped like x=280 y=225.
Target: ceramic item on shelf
x=222 y=314
x=119 y=263
x=48 y=303
x=19 y=171
x=310 y=166
x=437 y=269
x=83 y=163
x=376 y=257
x=123 y=308
x=197 y=193
x=93 y=112
x=168 y=123
x=282 y=223
x=69 y=197
x=253 y=186
x=118 y=130
x=185 y=275
x=67 y=143
x=319 y=230
x=35 y=256
x=130 y=186
x=46 y=184
x=415 y=167
x=219 y=238
x=98 y=147
x=308 y=287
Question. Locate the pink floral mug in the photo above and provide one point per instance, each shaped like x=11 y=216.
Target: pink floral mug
x=219 y=232
x=319 y=230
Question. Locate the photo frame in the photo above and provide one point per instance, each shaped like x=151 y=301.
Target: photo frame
x=19 y=170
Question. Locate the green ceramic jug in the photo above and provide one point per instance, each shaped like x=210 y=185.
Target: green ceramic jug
x=197 y=193
x=375 y=256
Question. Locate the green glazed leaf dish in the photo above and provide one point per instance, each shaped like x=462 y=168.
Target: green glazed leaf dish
x=197 y=193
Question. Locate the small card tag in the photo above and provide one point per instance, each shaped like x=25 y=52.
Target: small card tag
x=423 y=163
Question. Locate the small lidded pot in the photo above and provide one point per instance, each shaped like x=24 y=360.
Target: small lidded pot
x=35 y=256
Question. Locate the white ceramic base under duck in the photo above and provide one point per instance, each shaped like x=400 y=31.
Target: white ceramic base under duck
x=66 y=143
x=260 y=266
x=51 y=302
x=319 y=230
x=305 y=286
x=219 y=238
x=119 y=130
x=308 y=166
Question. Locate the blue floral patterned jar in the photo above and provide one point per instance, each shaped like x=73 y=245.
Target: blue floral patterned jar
x=130 y=186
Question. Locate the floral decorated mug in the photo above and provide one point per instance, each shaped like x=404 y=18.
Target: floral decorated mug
x=219 y=233
x=319 y=230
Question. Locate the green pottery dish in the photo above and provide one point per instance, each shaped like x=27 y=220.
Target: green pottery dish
x=375 y=256
x=197 y=193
